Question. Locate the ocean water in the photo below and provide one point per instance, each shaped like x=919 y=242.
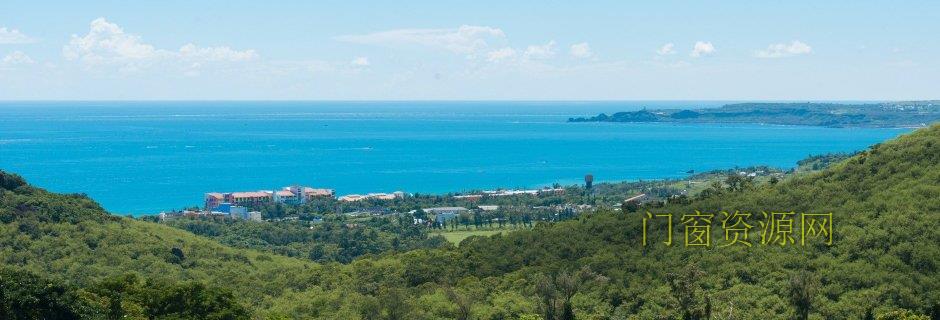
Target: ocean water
x=145 y=157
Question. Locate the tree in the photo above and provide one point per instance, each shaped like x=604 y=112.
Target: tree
x=121 y=292
x=629 y=206
x=24 y=295
x=557 y=292
x=738 y=183
x=393 y=303
x=714 y=189
x=464 y=302
x=685 y=286
x=178 y=253
x=802 y=290
x=193 y=300
x=901 y=314
x=546 y=292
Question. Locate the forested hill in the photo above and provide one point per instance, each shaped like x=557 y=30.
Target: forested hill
x=63 y=257
x=888 y=114
x=885 y=253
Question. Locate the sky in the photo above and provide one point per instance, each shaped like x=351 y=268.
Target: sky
x=469 y=50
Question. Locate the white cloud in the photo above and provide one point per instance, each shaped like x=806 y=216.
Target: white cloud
x=780 y=50
x=581 y=50
x=13 y=36
x=702 y=48
x=540 y=52
x=464 y=39
x=666 y=49
x=106 y=43
x=501 y=54
x=191 y=51
x=360 y=62
x=15 y=58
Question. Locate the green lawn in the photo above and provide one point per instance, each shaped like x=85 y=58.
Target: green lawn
x=456 y=236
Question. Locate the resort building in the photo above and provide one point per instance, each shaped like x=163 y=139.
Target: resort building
x=294 y=195
x=351 y=197
x=213 y=200
x=501 y=193
x=377 y=196
x=311 y=193
x=250 y=198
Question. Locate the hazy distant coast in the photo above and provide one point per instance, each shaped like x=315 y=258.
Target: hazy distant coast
x=884 y=115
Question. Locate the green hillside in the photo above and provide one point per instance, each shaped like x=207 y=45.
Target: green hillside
x=885 y=253
x=70 y=239
x=65 y=255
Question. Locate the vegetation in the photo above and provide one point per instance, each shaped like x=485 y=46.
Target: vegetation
x=24 y=295
x=889 y=114
x=71 y=242
x=456 y=237
x=338 y=239
x=64 y=257
x=822 y=161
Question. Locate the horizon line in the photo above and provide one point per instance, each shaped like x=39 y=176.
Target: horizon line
x=465 y=100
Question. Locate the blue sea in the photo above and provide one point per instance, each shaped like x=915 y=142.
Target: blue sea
x=146 y=157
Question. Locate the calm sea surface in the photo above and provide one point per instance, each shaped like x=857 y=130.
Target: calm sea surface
x=144 y=157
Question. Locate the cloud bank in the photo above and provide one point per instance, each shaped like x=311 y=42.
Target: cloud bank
x=781 y=50
x=106 y=43
x=465 y=39
x=13 y=36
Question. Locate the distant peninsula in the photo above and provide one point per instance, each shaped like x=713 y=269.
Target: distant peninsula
x=887 y=114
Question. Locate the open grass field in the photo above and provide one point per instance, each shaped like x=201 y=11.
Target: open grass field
x=456 y=236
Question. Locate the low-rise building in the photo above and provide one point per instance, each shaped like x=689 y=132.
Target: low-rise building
x=378 y=196
x=213 y=199
x=288 y=195
x=488 y=208
x=244 y=214
x=636 y=199
x=446 y=210
x=469 y=197
x=351 y=197
x=543 y=191
x=552 y=191
x=444 y=217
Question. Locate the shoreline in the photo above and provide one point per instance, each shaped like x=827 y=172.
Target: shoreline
x=685 y=177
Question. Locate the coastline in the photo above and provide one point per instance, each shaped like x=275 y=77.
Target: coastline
x=899 y=114
x=138 y=161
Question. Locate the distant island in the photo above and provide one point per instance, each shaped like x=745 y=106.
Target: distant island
x=887 y=114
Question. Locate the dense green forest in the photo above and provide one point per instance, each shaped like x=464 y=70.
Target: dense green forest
x=887 y=114
x=338 y=239
x=64 y=257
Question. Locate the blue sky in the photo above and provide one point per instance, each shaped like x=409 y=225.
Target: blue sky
x=470 y=50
